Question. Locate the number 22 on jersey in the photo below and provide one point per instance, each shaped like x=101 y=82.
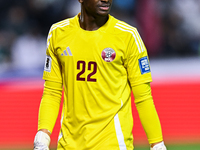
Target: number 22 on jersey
x=91 y=66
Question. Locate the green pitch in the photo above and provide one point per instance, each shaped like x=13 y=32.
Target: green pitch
x=171 y=147
x=175 y=147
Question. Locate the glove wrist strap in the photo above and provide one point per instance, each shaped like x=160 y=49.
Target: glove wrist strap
x=42 y=137
x=159 y=146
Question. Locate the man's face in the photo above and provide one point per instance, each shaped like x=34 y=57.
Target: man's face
x=97 y=7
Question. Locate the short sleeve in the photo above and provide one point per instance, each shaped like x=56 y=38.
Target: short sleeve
x=137 y=62
x=52 y=67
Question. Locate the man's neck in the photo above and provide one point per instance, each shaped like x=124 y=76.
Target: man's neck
x=92 y=23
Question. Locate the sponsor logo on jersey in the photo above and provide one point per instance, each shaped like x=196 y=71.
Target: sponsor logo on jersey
x=47 y=66
x=144 y=65
x=108 y=54
x=67 y=52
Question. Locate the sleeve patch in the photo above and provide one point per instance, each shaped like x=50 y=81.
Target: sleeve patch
x=144 y=65
x=47 y=65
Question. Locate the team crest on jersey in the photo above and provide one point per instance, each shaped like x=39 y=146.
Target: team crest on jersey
x=108 y=54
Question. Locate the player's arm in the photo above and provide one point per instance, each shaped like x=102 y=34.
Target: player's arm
x=148 y=115
x=48 y=113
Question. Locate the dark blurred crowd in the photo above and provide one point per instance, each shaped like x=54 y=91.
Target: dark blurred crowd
x=169 y=28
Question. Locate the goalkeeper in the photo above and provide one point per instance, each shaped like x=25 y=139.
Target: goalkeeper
x=98 y=60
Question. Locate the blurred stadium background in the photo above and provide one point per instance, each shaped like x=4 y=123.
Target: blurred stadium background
x=171 y=32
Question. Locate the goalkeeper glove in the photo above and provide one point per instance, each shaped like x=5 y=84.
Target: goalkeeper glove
x=159 y=146
x=41 y=141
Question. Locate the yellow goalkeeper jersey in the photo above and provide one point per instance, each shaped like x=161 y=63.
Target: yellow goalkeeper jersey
x=97 y=69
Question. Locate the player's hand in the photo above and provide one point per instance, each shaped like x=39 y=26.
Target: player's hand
x=159 y=146
x=41 y=141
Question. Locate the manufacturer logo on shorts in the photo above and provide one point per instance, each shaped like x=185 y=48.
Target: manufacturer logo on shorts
x=108 y=54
